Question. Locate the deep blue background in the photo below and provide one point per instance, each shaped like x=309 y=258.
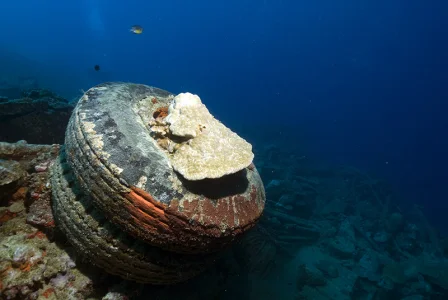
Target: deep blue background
x=364 y=82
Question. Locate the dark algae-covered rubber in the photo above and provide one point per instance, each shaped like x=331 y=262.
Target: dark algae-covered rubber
x=107 y=246
x=126 y=207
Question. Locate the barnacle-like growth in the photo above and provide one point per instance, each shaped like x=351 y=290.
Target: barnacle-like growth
x=199 y=145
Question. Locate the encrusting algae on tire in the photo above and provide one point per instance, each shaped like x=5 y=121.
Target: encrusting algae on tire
x=139 y=211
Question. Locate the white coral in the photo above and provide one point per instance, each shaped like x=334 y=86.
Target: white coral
x=211 y=150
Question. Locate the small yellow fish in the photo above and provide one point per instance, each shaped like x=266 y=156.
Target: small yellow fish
x=136 y=29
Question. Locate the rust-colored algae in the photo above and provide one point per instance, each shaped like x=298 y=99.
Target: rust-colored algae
x=160 y=113
x=6 y=215
x=146 y=211
x=48 y=292
x=201 y=222
x=229 y=213
x=38 y=234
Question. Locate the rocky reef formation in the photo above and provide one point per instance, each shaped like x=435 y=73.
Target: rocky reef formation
x=338 y=233
x=13 y=86
x=37 y=116
x=38 y=262
x=31 y=265
x=325 y=233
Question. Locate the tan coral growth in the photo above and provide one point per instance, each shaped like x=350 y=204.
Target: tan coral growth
x=205 y=147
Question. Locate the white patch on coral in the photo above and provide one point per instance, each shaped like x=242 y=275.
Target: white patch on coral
x=115 y=169
x=186 y=115
x=141 y=184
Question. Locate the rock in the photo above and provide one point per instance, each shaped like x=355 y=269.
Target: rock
x=341 y=287
x=310 y=276
x=27 y=155
x=286 y=199
x=413 y=297
x=32 y=266
x=39 y=202
x=401 y=272
x=10 y=172
x=395 y=223
x=40 y=117
x=28 y=260
x=275 y=189
x=368 y=266
x=381 y=237
x=346 y=230
x=386 y=284
x=115 y=296
x=342 y=247
x=328 y=268
x=11 y=175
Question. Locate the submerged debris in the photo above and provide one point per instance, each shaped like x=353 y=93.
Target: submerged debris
x=327 y=233
x=354 y=243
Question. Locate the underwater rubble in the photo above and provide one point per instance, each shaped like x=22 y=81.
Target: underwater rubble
x=38 y=116
x=32 y=265
x=57 y=198
x=12 y=87
x=36 y=260
x=341 y=235
x=350 y=242
x=326 y=233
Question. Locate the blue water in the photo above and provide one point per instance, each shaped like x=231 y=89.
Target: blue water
x=363 y=83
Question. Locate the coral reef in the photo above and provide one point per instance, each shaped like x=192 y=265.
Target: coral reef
x=31 y=264
x=199 y=146
x=12 y=87
x=340 y=234
x=11 y=174
x=38 y=116
x=326 y=232
x=37 y=262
